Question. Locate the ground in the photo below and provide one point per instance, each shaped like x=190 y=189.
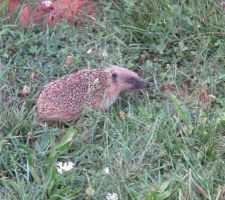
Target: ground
x=166 y=142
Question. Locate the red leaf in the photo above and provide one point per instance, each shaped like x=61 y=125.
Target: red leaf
x=54 y=12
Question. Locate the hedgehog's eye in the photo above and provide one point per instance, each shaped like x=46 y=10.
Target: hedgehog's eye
x=114 y=76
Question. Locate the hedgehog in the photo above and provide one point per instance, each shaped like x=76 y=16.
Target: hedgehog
x=65 y=99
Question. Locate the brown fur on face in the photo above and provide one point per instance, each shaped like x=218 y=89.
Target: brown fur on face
x=65 y=98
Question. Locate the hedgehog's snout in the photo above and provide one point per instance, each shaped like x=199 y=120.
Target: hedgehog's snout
x=141 y=84
x=138 y=83
x=147 y=84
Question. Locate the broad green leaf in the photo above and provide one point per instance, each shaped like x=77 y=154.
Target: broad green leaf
x=66 y=139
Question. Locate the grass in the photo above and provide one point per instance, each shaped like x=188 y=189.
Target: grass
x=161 y=143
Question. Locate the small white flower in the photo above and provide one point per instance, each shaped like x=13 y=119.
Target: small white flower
x=47 y=3
x=112 y=196
x=105 y=54
x=89 y=51
x=66 y=166
x=106 y=171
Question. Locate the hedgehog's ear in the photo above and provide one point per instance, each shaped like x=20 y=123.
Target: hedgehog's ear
x=114 y=76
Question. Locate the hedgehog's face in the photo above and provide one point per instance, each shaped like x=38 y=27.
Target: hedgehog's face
x=127 y=80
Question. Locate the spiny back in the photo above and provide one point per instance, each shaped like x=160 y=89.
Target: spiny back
x=70 y=93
